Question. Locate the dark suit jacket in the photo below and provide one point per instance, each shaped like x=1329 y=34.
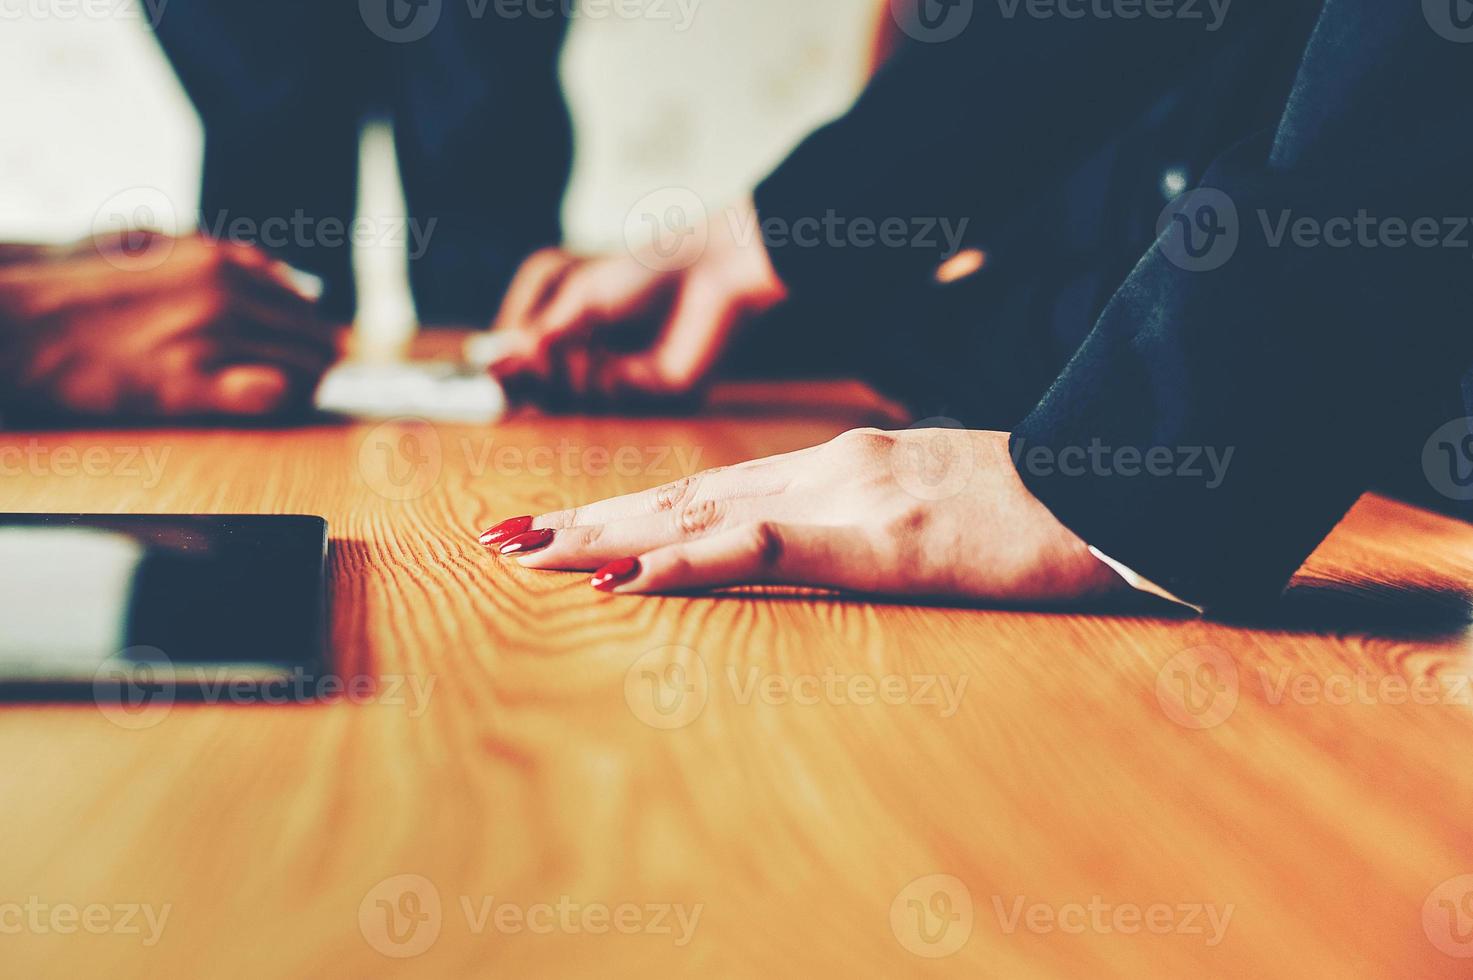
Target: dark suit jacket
x=1318 y=367
x=1055 y=144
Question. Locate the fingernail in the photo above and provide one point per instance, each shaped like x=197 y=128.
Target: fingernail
x=525 y=544
x=615 y=574
x=506 y=529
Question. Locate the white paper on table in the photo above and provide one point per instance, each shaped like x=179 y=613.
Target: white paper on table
x=484 y=349
x=440 y=391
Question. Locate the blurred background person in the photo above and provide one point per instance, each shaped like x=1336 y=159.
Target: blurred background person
x=483 y=136
x=951 y=239
x=704 y=96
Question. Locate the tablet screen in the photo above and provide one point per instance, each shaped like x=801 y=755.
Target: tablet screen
x=237 y=595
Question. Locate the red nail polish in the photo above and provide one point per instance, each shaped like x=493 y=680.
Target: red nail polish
x=506 y=529
x=525 y=544
x=615 y=574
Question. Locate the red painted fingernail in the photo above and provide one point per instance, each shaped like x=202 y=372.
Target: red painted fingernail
x=615 y=574
x=525 y=544
x=506 y=529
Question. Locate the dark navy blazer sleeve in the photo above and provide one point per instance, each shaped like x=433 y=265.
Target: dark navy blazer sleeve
x=1304 y=311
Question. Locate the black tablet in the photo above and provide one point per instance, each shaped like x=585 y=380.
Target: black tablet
x=190 y=599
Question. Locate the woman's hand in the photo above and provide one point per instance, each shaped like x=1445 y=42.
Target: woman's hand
x=928 y=512
x=563 y=316
x=149 y=326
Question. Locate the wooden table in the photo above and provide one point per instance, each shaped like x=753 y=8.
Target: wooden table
x=739 y=786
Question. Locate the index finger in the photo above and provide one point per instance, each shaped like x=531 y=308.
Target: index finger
x=532 y=285
x=755 y=478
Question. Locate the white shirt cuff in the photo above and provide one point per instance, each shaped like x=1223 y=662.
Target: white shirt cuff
x=1142 y=584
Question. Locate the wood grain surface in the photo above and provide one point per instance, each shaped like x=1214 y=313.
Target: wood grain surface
x=742 y=785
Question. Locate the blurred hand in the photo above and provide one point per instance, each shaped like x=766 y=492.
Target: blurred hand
x=939 y=513
x=142 y=325
x=622 y=328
